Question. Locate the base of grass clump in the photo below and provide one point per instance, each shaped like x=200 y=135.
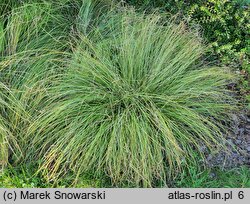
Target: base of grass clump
x=25 y=176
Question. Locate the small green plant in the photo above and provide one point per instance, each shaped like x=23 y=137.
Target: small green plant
x=213 y=178
x=26 y=176
x=136 y=103
x=21 y=177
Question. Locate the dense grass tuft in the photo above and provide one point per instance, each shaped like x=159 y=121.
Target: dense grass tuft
x=32 y=37
x=136 y=103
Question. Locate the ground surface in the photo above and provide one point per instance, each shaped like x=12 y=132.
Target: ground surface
x=239 y=151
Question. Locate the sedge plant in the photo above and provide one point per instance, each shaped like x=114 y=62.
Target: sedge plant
x=136 y=103
x=32 y=40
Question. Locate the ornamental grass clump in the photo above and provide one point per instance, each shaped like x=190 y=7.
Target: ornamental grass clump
x=32 y=38
x=135 y=105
